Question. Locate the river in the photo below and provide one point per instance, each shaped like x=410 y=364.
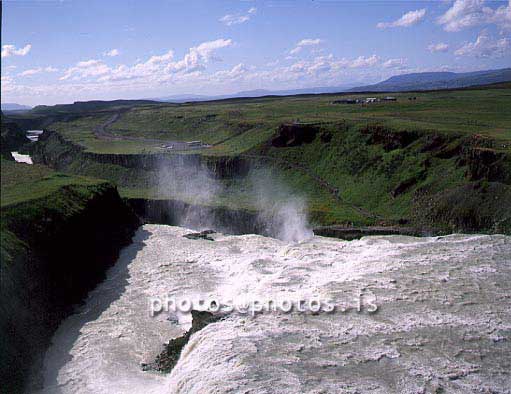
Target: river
x=443 y=318
x=33 y=136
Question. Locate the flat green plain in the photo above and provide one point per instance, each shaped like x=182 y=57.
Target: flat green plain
x=235 y=126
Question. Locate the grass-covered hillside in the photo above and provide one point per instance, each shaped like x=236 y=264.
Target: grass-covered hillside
x=12 y=138
x=236 y=125
x=23 y=182
x=58 y=235
x=439 y=158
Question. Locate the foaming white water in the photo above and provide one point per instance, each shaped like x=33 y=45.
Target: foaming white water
x=33 y=135
x=21 y=158
x=432 y=294
x=287 y=220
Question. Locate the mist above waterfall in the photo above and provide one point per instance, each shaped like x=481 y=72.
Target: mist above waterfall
x=281 y=213
x=193 y=184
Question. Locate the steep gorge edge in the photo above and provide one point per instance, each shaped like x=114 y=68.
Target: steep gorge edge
x=54 y=250
x=479 y=199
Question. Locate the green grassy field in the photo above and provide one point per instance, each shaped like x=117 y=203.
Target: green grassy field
x=81 y=131
x=23 y=182
x=235 y=126
x=349 y=178
x=366 y=175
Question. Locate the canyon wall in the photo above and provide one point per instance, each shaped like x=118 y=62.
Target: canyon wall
x=54 y=250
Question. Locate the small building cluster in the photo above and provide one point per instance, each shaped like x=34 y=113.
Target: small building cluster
x=347 y=101
x=184 y=145
x=366 y=100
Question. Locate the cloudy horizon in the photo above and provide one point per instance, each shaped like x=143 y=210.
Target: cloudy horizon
x=129 y=50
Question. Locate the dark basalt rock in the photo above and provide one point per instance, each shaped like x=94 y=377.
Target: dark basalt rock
x=11 y=139
x=379 y=135
x=485 y=163
x=169 y=357
x=480 y=206
x=54 y=251
x=172 y=212
x=433 y=142
x=55 y=151
x=294 y=134
x=326 y=137
x=202 y=235
x=405 y=185
x=449 y=150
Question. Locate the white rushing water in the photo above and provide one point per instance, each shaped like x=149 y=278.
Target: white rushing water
x=443 y=318
x=33 y=136
x=21 y=158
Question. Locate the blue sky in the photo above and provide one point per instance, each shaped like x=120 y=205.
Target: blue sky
x=62 y=51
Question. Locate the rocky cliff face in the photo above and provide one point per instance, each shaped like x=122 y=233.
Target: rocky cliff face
x=294 y=134
x=179 y=213
x=54 y=250
x=446 y=182
x=56 y=152
x=12 y=138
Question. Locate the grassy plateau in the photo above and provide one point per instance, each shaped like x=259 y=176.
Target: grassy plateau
x=386 y=162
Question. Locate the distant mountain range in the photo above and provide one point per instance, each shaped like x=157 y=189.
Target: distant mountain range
x=437 y=80
x=14 y=107
x=405 y=82
x=181 y=98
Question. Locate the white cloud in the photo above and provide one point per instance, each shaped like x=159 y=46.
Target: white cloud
x=112 y=53
x=326 y=70
x=326 y=66
x=158 y=59
x=164 y=70
x=86 y=69
x=230 y=20
x=440 y=47
x=502 y=17
x=309 y=41
x=207 y=49
x=409 y=19
x=11 y=50
x=362 y=61
x=161 y=74
x=196 y=57
x=7 y=81
x=236 y=19
x=31 y=71
x=304 y=43
x=395 y=63
x=234 y=73
x=485 y=47
x=38 y=70
x=469 y=13
x=158 y=67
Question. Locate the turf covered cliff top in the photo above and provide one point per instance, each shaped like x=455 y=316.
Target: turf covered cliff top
x=233 y=126
x=59 y=234
x=23 y=182
x=433 y=159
